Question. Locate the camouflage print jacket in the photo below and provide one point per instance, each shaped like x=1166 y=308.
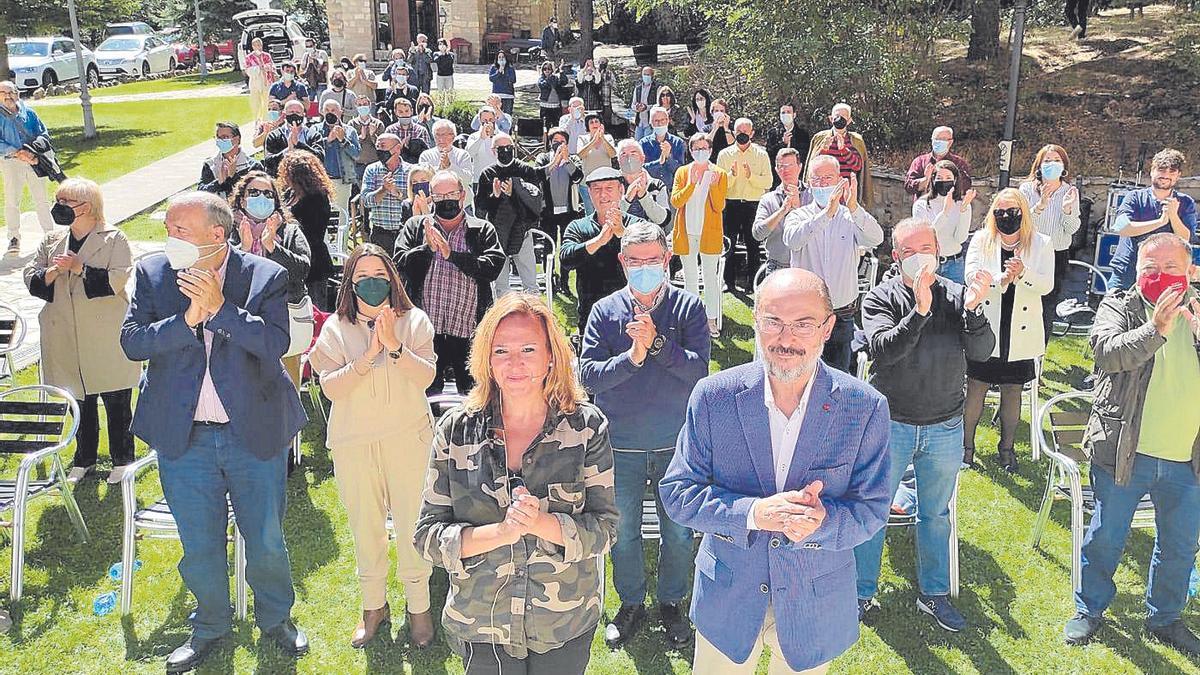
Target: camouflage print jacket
x=535 y=595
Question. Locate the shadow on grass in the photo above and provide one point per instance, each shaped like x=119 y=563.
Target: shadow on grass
x=69 y=142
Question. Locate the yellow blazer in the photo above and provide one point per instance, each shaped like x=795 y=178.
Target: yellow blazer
x=712 y=236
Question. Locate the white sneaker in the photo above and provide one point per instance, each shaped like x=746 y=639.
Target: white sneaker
x=14 y=246
x=115 y=476
x=1076 y=31
x=78 y=473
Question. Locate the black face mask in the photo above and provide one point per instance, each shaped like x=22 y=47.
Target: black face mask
x=385 y=156
x=294 y=120
x=1008 y=221
x=942 y=188
x=424 y=108
x=840 y=123
x=742 y=138
x=504 y=154
x=331 y=118
x=555 y=146
x=447 y=209
x=62 y=214
x=338 y=84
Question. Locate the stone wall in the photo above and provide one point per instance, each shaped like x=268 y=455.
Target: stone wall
x=351 y=27
x=466 y=19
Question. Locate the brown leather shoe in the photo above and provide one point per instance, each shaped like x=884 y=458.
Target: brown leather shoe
x=420 y=629
x=371 y=621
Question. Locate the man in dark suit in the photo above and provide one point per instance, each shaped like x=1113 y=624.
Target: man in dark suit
x=217 y=406
x=783 y=465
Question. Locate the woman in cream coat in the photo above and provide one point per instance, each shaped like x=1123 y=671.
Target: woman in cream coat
x=375 y=358
x=1020 y=263
x=80 y=271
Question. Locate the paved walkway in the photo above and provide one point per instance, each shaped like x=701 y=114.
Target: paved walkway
x=219 y=90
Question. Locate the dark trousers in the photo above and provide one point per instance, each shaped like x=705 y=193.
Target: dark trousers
x=482 y=658
x=118 y=406
x=555 y=225
x=739 y=219
x=1062 y=267
x=837 y=353
x=1077 y=15
x=550 y=117
x=385 y=239
x=451 y=353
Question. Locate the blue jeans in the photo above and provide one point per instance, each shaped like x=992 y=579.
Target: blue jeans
x=837 y=352
x=195 y=486
x=1176 y=495
x=631 y=471
x=954 y=269
x=935 y=451
x=585 y=199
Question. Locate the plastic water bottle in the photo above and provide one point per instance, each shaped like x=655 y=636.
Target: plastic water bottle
x=104 y=603
x=1194 y=583
x=114 y=572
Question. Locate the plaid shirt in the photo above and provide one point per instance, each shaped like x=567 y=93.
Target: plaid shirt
x=407 y=132
x=387 y=212
x=451 y=297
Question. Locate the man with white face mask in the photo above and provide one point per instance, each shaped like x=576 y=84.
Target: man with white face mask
x=218 y=407
x=921 y=328
x=787 y=134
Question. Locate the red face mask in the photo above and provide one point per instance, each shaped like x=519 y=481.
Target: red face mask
x=1154 y=284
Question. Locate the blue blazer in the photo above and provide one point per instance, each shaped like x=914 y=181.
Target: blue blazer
x=723 y=463
x=251 y=335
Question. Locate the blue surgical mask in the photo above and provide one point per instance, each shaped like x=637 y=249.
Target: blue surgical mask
x=701 y=155
x=821 y=195
x=646 y=79
x=647 y=278
x=260 y=207
x=224 y=145
x=272 y=115
x=364 y=110
x=1052 y=170
x=660 y=131
x=940 y=147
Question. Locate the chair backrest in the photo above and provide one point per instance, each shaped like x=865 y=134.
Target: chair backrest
x=1063 y=424
x=36 y=417
x=440 y=403
x=529 y=127
x=760 y=276
x=868 y=272
x=12 y=329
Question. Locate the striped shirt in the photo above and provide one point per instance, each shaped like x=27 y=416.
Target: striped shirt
x=208 y=406
x=387 y=212
x=1052 y=221
x=451 y=297
x=848 y=158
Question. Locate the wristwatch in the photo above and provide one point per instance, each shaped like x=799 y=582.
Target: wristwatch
x=396 y=354
x=656 y=347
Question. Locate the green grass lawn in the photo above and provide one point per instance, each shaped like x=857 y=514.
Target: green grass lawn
x=1015 y=598
x=133 y=134
x=179 y=83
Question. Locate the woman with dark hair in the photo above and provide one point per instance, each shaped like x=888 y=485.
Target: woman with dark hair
x=950 y=214
x=519 y=505
x=1054 y=206
x=308 y=194
x=552 y=97
x=504 y=81
x=375 y=358
x=700 y=118
x=679 y=117
x=721 y=132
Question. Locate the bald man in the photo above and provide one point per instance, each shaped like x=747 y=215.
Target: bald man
x=801 y=478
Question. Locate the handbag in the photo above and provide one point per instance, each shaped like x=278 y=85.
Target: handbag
x=300 y=326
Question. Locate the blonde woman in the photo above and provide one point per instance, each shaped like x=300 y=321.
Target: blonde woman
x=698 y=196
x=375 y=358
x=1054 y=206
x=80 y=271
x=519 y=502
x=418 y=202
x=1020 y=262
x=260 y=71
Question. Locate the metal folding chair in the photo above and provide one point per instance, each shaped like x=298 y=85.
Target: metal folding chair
x=760 y=276
x=12 y=336
x=868 y=272
x=1076 y=315
x=37 y=422
x=1065 y=417
x=157 y=522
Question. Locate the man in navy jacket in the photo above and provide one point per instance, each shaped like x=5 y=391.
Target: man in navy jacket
x=217 y=406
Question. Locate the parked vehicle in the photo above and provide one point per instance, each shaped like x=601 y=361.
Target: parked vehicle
x=186 y=54
x=44 y=61
x=131 y=28
x=135 y=55
x=282 y=38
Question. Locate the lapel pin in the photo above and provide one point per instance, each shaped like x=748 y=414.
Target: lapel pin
x=825 y=407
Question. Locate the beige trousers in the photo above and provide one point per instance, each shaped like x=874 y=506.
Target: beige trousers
x=372 y=481
x=710 y=661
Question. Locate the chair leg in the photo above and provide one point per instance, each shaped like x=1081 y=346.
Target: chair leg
x=1043 y=514
x=128 y=555
x=239 y=572
x=69 y=499
x=296 y=455
x=1035 y=435
x=953 y=548
x=1077 y=531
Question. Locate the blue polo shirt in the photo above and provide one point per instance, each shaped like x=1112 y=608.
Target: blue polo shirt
x=280 y=91
x=1139 y=206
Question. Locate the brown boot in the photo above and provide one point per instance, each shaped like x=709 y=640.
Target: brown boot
x=372 y=619
x=420 y=629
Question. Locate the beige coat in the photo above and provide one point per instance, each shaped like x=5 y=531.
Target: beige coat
x=81 y=336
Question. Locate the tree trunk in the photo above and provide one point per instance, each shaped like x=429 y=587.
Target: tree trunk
x=985 y=31
x=587 y=18
x=5 y=72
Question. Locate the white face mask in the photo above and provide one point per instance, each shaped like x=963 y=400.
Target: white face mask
x=184 y=254
x=913 y=264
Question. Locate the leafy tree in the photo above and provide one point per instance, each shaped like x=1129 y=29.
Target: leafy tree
x=311 y=16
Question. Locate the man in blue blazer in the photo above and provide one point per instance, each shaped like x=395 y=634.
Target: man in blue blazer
x=783 y=464
x=218 y=407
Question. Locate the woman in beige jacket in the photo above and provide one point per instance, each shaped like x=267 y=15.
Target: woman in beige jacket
x=375 y=358
x=80 y=271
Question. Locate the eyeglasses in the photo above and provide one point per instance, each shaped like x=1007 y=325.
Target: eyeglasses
x=804 y=329
x=263 y=192
x=439 y=197
x=642 y=262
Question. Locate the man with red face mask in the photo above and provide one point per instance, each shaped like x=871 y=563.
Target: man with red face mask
x=1141 y=440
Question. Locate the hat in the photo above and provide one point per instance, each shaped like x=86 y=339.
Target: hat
x=602 y=174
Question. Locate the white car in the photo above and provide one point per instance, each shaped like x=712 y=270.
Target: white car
x=282 y=38
x=135 y=55
x=43 y=61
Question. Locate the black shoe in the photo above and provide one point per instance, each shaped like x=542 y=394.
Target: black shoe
x=1080 y=629
x=939 y=607
x=627 y=621
x=1177 y=635
x=1007 y=458
x=866 y=610
x=677 y=626
x=290 y=639
x=191 y=654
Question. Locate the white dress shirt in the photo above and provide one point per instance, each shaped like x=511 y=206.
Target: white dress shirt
x=785 y=432
x=694 y=213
